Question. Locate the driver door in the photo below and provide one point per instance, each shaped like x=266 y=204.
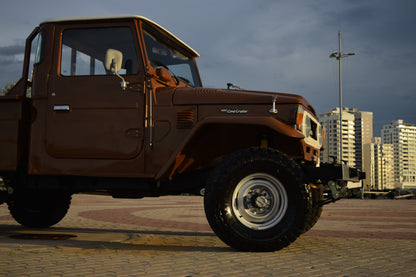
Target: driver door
x=90 y=116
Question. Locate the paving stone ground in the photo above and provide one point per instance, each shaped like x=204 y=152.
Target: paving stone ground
x=169 y=236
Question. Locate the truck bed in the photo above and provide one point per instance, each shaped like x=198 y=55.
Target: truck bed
x=12 y=131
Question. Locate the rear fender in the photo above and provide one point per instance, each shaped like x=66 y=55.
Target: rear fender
x=14 y=131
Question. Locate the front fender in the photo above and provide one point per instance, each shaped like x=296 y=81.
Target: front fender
x=177 y=158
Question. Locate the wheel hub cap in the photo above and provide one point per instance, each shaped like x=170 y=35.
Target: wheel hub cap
x=260 y=201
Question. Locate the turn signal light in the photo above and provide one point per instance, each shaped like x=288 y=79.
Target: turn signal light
x=296 y=118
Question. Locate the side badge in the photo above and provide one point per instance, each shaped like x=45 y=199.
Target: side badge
x=234 y=111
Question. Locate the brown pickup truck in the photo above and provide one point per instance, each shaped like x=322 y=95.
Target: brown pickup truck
x=115 y=105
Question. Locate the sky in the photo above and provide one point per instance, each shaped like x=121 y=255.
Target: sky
x=268 y=45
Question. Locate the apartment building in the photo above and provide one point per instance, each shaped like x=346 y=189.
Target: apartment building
x=357 y=130
x=403 y=138
x=363 y=127
x=378 y=165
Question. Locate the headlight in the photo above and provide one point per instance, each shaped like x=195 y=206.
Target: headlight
x=310 y=127
x=312 y=130
x=306 y=123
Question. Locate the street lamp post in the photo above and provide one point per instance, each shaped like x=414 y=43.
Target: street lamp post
x=339 y=55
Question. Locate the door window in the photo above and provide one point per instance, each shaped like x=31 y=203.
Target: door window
x=83 y=51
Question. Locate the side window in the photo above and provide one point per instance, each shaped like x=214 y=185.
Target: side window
x=83 y=51
x=36 y=56
x=39 y=47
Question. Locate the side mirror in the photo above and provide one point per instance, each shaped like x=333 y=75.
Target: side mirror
x=113 y=61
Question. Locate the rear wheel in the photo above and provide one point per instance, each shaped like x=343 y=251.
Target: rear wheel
x=256 y=200
x=39 y=208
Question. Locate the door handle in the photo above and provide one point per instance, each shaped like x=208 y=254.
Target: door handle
x=61 y=108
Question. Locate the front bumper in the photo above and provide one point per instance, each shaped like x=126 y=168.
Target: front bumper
x=332 y=172
x=333 y=178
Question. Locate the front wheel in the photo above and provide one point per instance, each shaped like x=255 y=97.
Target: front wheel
x=317 y=198
x=256 y=200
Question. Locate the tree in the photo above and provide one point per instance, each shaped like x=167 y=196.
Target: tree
x=7 y=87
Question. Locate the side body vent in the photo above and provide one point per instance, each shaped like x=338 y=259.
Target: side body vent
x=185 y=119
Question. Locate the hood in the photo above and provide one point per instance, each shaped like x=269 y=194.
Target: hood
x=210 y=96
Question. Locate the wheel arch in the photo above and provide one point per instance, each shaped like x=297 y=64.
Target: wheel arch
x=216 y=137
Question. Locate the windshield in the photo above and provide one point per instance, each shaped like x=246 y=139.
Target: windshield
x=161 y=54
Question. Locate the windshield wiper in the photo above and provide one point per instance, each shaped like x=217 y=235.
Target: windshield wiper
x=159 y=63
x=183 y=79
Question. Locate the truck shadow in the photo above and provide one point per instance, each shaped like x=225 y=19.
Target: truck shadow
x=100 y=241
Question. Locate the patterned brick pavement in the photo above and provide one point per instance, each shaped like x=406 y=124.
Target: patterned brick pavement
x=169 y=236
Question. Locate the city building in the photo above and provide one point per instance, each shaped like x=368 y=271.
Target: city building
x=378 y=165
x=363 y=127
x=403 y=138
x=357 y=130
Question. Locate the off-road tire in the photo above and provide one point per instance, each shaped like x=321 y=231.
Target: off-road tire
x=257 y=200
x=39 y=209
x=317 y=198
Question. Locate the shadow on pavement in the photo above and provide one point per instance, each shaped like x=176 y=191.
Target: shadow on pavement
x=96 y=241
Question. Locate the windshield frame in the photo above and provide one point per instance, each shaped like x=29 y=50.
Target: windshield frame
x=163 y=51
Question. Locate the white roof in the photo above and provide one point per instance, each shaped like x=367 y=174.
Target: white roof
x=98 y=17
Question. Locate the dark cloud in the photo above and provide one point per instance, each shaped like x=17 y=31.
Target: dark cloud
x=11 y=56
x=348 y=14
x=12 y=50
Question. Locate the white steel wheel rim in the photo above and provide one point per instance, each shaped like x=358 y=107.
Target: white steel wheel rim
x=259 y=201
